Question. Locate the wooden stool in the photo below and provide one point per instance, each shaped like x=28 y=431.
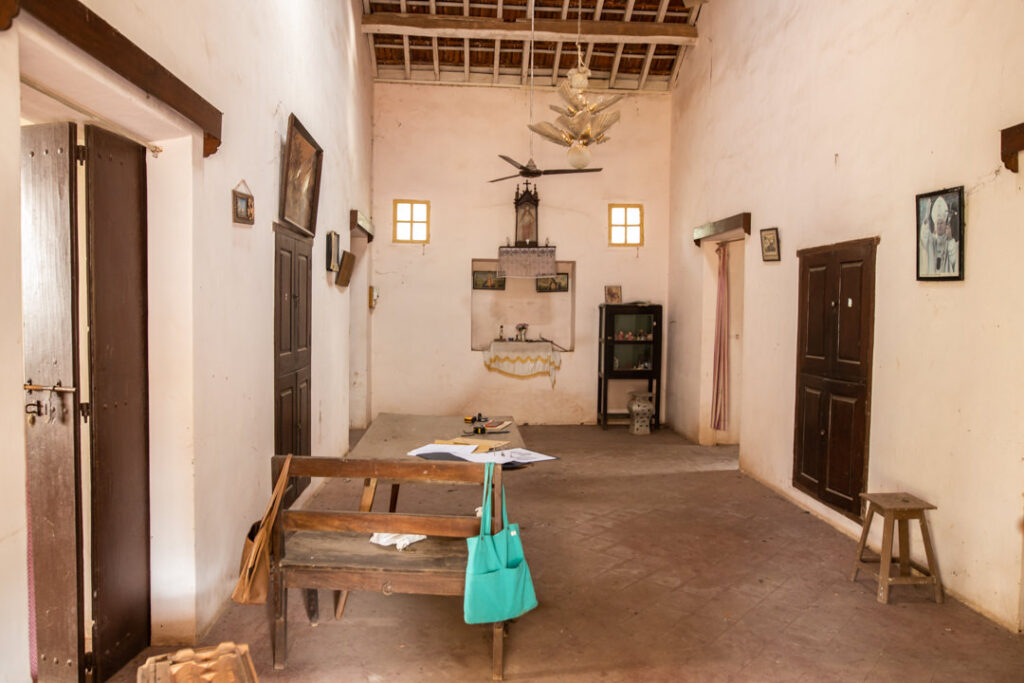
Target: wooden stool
x=899 y=507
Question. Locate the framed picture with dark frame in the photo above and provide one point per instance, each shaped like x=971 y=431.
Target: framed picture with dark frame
x=940 y=234
x=243 y=208
x=300 y=178
x=487 y=279
x=770 y=245
x=613 y=294
x=558 y=283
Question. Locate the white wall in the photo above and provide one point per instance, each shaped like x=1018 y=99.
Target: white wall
x=825 y=118
x=441 y=144
x=257 y=63
x=14 y=657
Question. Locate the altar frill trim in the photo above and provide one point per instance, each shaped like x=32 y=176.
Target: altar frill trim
x=523 y=359
x=527 y=262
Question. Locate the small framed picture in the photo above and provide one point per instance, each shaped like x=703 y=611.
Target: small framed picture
x=613 y=294
x=487 y=279
x=333 y=262
x=243 y=209
x=770 y=245
x=940 y=235
x=346 y=264
x=558 y=283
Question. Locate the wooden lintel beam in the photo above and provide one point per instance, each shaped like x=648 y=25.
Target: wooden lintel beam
x=1012 y=140
x=546 y=29
x=739 y=221
x=86 y=30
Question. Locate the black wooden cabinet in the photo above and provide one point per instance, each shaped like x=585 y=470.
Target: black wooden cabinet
x=629 y=348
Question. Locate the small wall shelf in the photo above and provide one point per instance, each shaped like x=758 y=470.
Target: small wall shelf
x=1012 y=145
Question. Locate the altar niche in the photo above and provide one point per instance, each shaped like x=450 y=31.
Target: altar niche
x=550 y=311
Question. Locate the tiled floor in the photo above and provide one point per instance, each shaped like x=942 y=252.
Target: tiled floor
x=653 y=560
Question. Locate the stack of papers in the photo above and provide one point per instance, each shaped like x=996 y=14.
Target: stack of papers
x=439 y=451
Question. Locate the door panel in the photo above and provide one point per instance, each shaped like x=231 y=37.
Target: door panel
x=284 y=279
x=844 y=460
x=810 y=403
x=50 y=338
x=286 y=403
x=303 y=304
x=119 y=384
x=814 y=315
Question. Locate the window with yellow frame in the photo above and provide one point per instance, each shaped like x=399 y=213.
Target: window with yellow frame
x=411 y=221
x=625 y=225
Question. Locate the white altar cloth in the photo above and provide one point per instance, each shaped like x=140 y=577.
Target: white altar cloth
x=523 y=359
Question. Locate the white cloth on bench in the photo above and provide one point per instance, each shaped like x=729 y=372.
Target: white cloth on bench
x=400 y=541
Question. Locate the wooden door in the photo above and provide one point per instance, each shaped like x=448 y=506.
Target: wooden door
x=292 y=348
x=50 y=337
x=834 y=350
x=119 y=388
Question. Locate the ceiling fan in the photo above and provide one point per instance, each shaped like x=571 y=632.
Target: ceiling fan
x=530 y=170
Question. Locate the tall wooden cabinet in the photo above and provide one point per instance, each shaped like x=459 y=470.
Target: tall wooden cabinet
x=629 y=348
x=833 y=392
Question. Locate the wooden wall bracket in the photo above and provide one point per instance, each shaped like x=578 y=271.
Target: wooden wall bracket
x=8 y=10
x=360 y=223
x=84 y=29
x=740 y=220
x=1012 y=145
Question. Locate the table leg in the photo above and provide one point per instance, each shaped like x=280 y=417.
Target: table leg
x=863 y=541
x=904 y=526
x=394 y=498
x=498 y=656
x=311 y=598
x=933 y=567
x=885 y=560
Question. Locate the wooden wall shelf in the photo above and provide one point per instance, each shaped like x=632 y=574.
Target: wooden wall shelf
x=740 y=220
x=1012 y=145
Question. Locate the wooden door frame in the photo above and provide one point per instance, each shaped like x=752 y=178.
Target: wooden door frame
x=872 y=243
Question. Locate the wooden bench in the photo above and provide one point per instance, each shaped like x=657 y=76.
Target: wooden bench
x=313 y=549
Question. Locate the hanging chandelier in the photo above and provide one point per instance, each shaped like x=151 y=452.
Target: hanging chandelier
x=581 y=122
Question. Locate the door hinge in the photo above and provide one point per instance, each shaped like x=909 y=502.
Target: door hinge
x=85 y=409
x=89 y=664
x=80 y=153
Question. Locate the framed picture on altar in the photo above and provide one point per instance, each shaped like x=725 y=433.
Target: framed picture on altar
x=487 y=279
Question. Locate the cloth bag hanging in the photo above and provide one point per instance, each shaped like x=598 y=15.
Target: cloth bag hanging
x=498 y=583
x=254 y=571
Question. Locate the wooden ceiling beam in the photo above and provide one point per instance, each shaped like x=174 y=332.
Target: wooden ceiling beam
x=632 y=33
x=528 y=44
x=598 y=8
x=618 y=48
x=405 y=50
x=662 y=9
x=433 y=47
x=558 y=46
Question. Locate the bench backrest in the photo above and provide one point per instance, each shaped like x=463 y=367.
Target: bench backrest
x=415 y=470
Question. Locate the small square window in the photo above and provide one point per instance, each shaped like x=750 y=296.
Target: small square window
x=412 y=221
x=626 y=225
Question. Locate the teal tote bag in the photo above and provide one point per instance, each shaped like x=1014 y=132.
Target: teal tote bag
x=498 y=583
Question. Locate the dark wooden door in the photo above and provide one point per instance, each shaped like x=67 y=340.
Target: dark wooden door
x=50 y=338
x=293 y=271
x=119 y=388
x=834 y=349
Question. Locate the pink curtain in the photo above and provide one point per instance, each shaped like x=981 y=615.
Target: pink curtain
x=720 y=387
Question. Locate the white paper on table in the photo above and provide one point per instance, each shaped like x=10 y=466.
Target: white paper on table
x=523 y=455
x=457 y=450
x=497 y=457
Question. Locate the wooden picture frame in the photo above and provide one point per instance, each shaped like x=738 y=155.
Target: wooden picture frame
x=940 y=234
x=332 y=252
x=488 y=279
x=301 y=167
x=770 y=250
x=243 y=208
x=347 y=263
x=558 y=283
x=613 y=294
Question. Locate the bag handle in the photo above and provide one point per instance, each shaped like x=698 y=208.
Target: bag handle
x=485 y=508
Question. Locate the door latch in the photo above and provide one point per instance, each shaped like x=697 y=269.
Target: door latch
x=34 y=408
x=85 y=409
